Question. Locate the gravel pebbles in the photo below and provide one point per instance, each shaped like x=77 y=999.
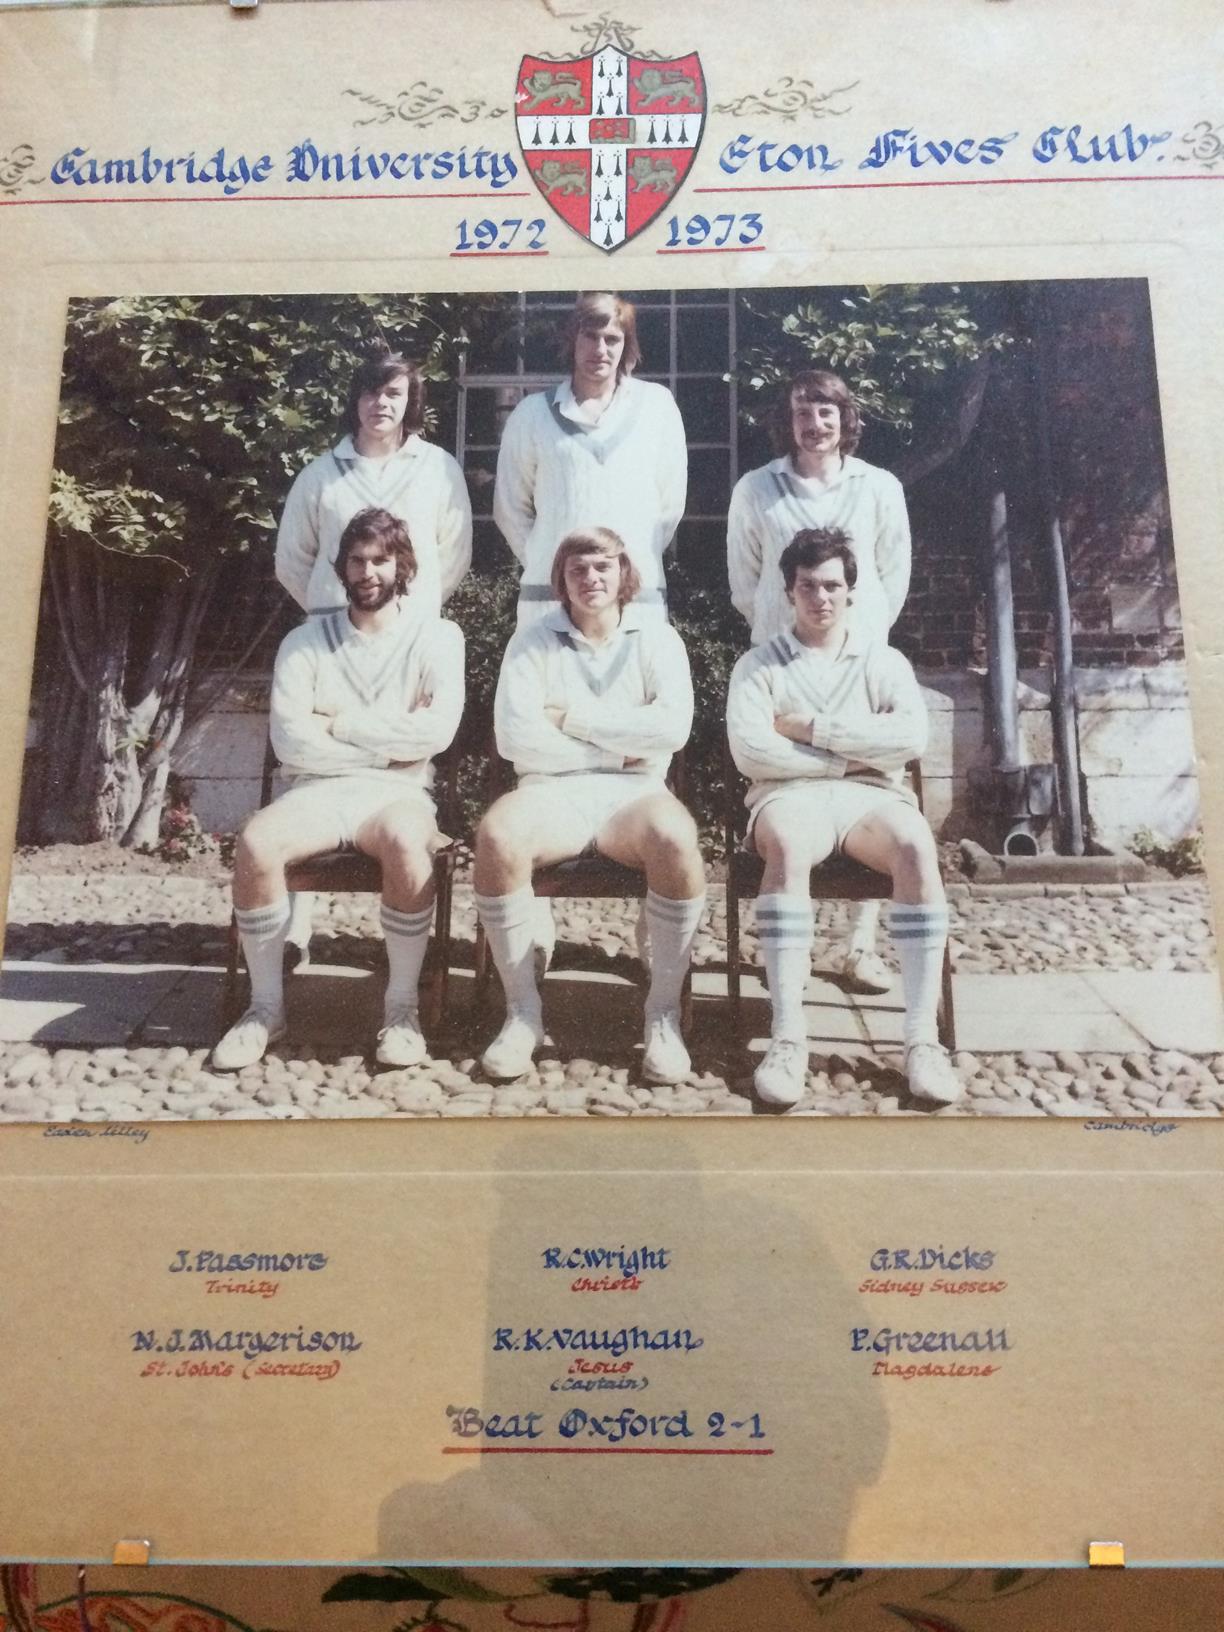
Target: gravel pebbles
x=117 y=918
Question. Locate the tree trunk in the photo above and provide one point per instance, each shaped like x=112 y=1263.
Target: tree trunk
x=158 y=713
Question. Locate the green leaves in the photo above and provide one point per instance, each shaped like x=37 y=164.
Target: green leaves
x=894 y=343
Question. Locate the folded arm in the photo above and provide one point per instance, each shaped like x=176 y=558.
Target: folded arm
x=661 y=725
x=300 y=736
x=525 y=731
x=758 y=747
x=425 y=730
x=889 y=737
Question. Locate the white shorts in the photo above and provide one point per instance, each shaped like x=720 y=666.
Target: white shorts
x=844 y=803
x=352 y=800
x=594 y=797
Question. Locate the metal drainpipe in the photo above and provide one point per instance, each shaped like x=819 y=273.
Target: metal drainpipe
x=1062 y=696
x=1001 y=638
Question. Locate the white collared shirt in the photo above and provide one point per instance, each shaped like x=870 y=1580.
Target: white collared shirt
x=346 y=700
x=559 y=471
x=868 y=716
x=771 y=504
x=420 y=484
x=629 y=697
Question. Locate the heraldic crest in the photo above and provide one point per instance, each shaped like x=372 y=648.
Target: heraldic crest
x=609 y=136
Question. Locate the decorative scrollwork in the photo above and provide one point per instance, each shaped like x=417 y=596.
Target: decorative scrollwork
x=788 y=98
x=601 y=31
x=424 y=104
x=1206 y=144
x=14 y=168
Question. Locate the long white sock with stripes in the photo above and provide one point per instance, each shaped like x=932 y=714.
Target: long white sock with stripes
x=262 y=932
x=407 y=937
x=510 y=923
x=784 y=928
x=672 y=926
x=920 y=934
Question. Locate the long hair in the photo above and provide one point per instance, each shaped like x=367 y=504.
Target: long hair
x=595 y=310
x=379 y=369
x=595 y=541
x=815 y=385
x=383 y=528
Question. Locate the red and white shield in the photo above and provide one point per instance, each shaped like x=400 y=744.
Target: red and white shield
x=609 y=138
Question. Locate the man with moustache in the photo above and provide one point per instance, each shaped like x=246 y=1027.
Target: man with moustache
x=362 y=699
x=817 y=481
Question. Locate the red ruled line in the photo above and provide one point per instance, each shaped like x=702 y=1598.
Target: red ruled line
x=738 y=249
x=489 y=254
x=262 y=198
x=983 y=181
x=595 y=1450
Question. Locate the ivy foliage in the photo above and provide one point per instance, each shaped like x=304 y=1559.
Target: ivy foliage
x=183 y=421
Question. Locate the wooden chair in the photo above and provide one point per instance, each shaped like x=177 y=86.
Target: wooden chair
x=837 y=879
x=349 y=871
x=593 y=878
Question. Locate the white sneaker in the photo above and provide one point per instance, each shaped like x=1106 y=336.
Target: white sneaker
x=931 y=1075
x=665 y=1058
x=781 y=1076
x=401 y=1041
x=247 y=1040
x=511 y=1052
x=865 y=971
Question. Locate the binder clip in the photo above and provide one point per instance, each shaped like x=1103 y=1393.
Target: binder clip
x=131 y=1551
x=243 y=5
x=1106 y=1555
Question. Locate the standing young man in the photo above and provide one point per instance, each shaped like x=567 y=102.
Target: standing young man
x=592 y=701
x=817 y=481
x=822 y=722
x=361 y=702
x=381 y=460
x=601 y=449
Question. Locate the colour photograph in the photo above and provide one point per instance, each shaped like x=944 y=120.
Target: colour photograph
x=609 y=703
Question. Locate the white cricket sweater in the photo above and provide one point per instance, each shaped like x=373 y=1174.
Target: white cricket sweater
x=868 y=716
x=419 y=483
x=382 y=705
x=628 y=698
x=556 y=473
x=770 y=505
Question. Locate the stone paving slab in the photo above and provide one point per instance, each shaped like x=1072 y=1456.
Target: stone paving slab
x=1183 y=1011
x=1100 y=1011
x=999 y=1013
x=92 y=1005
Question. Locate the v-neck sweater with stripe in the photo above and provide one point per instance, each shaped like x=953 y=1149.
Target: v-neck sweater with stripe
x=771 y=504
x=868 y=716
x=629 y=697
x=628 y=471
x=375 y=705
x=420 y=484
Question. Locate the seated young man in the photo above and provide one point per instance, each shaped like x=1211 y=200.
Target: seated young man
x=592 y=701
x=361 y=701
x=822 y=723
